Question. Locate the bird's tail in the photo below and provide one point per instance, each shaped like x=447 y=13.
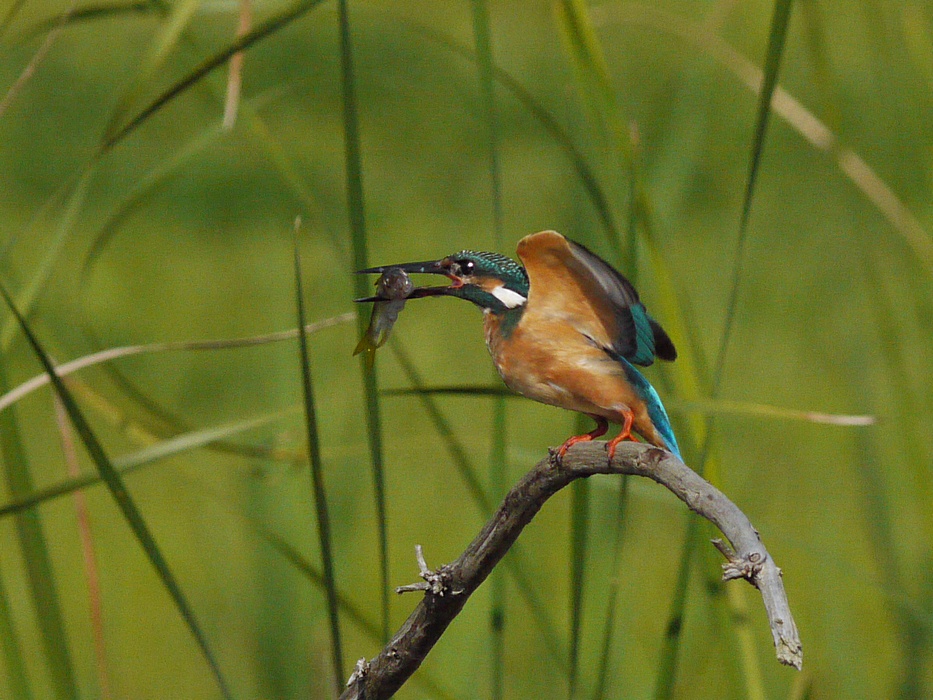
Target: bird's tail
x=663 y=424
x=655 y=408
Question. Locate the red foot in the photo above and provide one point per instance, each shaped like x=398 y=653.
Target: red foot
x=626 y=434
x=602 y=425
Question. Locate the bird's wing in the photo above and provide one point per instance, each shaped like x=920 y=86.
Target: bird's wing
x=585 y=291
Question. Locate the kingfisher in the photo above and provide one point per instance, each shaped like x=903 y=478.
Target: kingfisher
x=564 y=328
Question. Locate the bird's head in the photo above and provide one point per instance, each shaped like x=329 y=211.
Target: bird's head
x=490 y=280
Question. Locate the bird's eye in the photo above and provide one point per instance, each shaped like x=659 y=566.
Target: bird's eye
x=465 y=267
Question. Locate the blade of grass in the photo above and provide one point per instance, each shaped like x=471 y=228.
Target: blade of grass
x=621 y=505
x=162 y=421
x=10 y=15
x=14 y=662
x=122 y=497
x=317 y=478
x=163 y=43
x=37 y=58
x=741 y=625
x=93 y=12
x=877 y=503
x=876 y=509
x=484 y=62
x=40 y=276
x=695 y=539
x=776 y=38
x=918 y=41
x=482 y=36
x=579 y=525
x=802 y=687
x=605 y=114
x=277 y=542
x=901 y=219
x=70 y=454
x=348 y=608
x=670 y=644
x=708 y=407
x=142 y=187
x=9 y=398
x=583 y=47
x=451 y=390
x=357 y=213
x=497 y=607
x=713 y=407
x=42 y=587
x=547 y=120
x=235 y=69
x=815 y=35
x=909 y=416
x=751 y=671
x=261 y=31
x=142 y=458
x=602 y=674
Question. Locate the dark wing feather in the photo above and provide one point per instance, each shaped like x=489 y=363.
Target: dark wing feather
x=639 y=338
x=663 y=345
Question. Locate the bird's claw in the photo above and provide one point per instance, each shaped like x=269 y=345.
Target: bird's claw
x=610 y=452
x=556 y=456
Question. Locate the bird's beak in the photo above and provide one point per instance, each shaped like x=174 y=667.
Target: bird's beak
x=435 y=267
x=431 y=266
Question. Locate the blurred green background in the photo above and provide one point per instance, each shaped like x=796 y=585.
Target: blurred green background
x=182 y=230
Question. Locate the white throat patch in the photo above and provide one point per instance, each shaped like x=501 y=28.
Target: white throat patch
x=509 y=298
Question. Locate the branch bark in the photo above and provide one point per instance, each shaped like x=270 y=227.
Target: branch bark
x=447 y=589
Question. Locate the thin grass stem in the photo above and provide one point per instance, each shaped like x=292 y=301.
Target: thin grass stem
x=612 y=595
x=12 y=650
x=235 y=69
x=143 y=458
x=777 y=36
x=37 y=558
x=482 y=34
x=356 y=211
x=261 y=31
x=122 y=498
x=37 y=58
x=579 y=529
x=325 y=539
x=63 y=370
x=91 y=571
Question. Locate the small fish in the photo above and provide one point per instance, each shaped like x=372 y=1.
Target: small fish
x=392 y=289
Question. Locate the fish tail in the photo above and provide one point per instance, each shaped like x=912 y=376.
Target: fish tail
x=367 y=346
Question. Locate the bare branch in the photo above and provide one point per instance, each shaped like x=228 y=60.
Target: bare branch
x=452 y=584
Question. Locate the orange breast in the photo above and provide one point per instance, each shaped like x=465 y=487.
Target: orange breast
x=548 y=360
x=555 y=352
